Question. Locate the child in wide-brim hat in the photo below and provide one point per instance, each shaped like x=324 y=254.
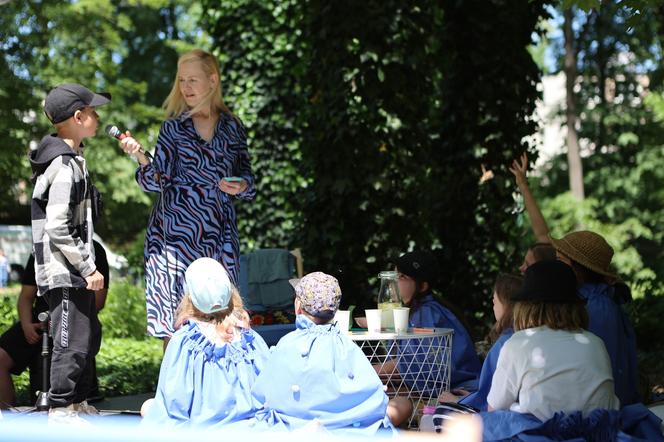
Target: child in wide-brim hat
x=590 y=255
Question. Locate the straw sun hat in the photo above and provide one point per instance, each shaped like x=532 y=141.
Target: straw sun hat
x=588 y=249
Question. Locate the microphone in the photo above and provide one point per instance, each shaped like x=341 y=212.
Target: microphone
x=113 y=131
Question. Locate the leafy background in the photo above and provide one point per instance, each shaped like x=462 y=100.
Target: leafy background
x=369 y=124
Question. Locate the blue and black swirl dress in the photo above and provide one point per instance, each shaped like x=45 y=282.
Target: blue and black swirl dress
x=199 y=219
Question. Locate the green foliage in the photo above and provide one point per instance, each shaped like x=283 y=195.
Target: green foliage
x=124 y=367
x=126 y=48
x=585 y=5
x=17 y=103
x=128 y=362
x=22 y=388
x=261 y=60
x=359 y=116
x=621 y=129
x=371 y=137
x=133 y=251
x=8 y=313
x=489 y=96
x=565 y=214
x=124 y=315
x=127 y=366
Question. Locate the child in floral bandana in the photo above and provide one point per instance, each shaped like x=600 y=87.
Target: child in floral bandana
x=318 y=374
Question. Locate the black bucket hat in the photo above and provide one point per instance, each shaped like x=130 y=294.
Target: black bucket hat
x=549 y=281
x=64 y=100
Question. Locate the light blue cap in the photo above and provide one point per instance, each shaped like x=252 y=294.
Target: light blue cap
x=208 y=285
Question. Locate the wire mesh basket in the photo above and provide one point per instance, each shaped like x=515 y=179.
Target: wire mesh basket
x=415 y=365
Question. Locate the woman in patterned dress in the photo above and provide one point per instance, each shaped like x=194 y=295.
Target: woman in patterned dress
x=200 y=163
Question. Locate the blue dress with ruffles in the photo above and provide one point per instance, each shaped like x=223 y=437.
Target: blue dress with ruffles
x=318 y=373
x=204 y=384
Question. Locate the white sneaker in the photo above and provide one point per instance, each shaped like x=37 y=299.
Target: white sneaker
x=66 y=416
x=85 y=408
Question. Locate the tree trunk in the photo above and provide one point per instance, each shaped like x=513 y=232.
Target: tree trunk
x=573 y=151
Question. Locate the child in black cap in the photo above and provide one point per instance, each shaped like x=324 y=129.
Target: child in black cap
x=417 y=274
x=62 y=229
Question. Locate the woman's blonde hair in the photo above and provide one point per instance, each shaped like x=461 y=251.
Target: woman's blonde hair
x=556 y=316
x=213 y=101
x=234 y=315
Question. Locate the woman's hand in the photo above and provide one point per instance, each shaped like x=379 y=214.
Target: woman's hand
x=519 y=169
x=133 y=148
x=233 y=187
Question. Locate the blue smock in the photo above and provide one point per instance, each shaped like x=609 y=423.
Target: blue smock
x=632 y=423
x=466 y=364
x=477 y=399
x=201 y=383
x=316 y=372
x=609 y=321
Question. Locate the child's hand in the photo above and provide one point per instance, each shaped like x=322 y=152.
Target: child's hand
x=95 y=281
x=519 y=169
x=452 y=396
x=31 y=331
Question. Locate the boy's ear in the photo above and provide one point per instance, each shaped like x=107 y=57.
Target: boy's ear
x=425 y=287
x=77 y=116
x=298 y=307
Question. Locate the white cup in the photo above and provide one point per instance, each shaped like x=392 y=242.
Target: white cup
x=373 y=320
x=342 y=318
x=401 y=319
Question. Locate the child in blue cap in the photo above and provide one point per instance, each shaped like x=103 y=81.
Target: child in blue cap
x=318 y=374
x=212 y=361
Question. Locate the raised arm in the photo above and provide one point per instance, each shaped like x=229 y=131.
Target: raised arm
x=537 y=221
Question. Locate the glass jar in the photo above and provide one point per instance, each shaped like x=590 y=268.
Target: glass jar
x=388 y=298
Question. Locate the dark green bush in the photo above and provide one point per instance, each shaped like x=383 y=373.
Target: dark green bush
x=124 y=314
x=128 y=362
x=128 y=366
x=646 y=314
x=8 y=314
x=124 y=367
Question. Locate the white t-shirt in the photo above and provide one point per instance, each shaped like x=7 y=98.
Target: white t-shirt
x=543 y=371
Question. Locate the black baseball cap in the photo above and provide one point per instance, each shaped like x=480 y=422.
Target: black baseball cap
x=549 y=281
x=419 y=265
x=64 y=100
